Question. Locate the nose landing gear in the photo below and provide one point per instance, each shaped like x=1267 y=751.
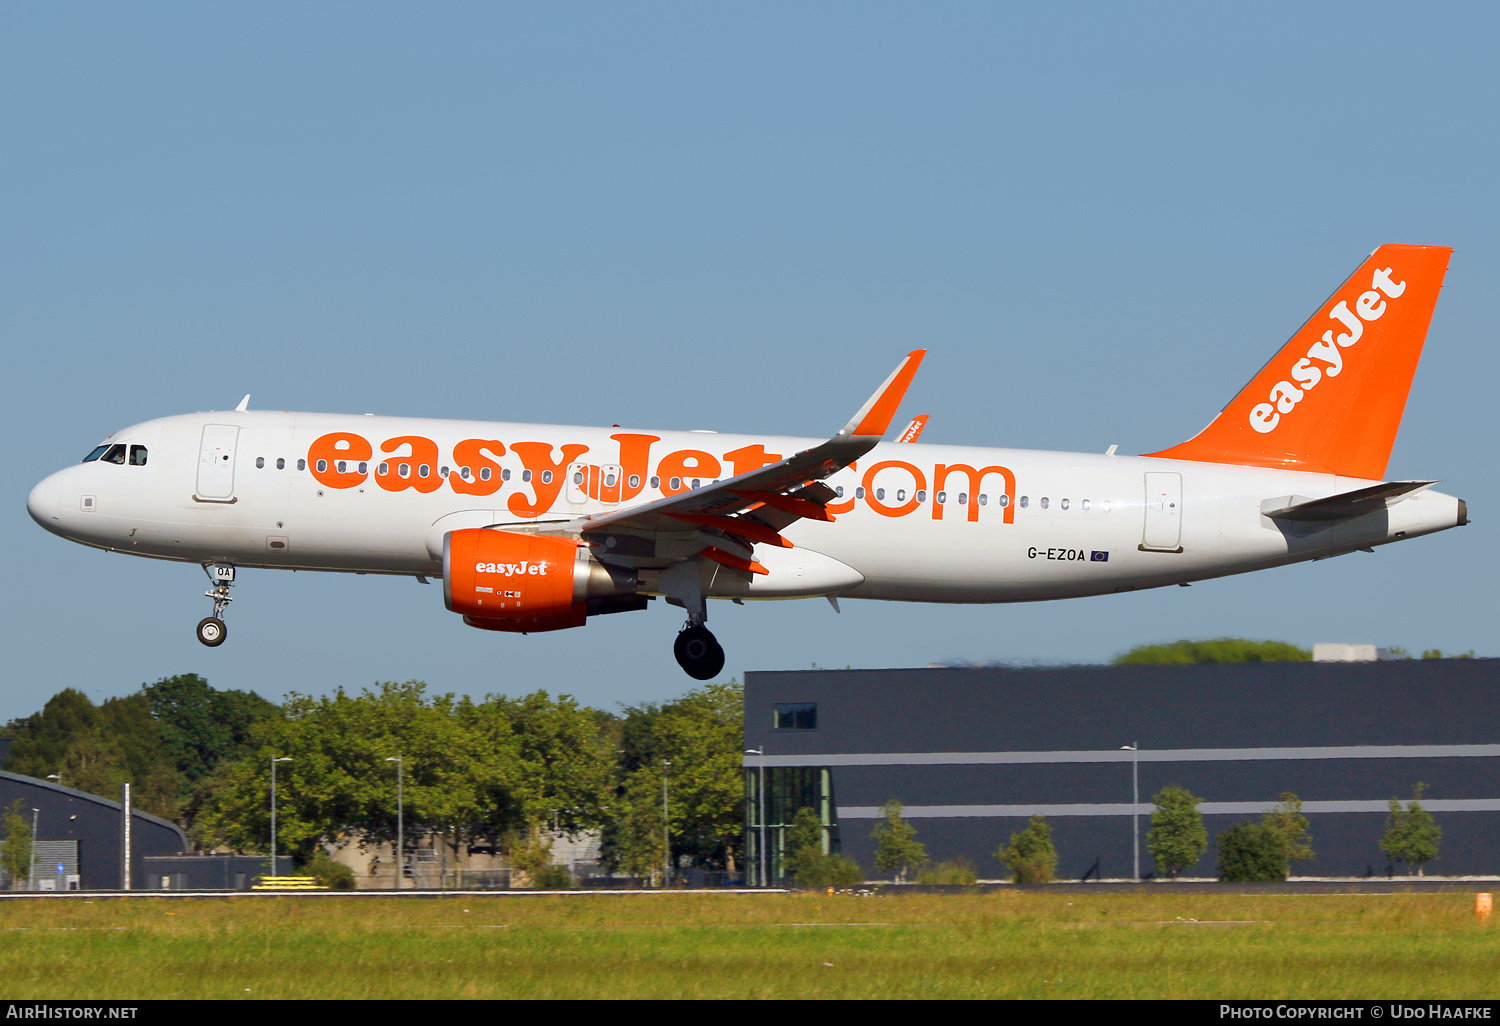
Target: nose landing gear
x=211 y=629
x=698 y=652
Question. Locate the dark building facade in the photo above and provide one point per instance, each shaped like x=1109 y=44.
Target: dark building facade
x=972 y=753
x=81 y=832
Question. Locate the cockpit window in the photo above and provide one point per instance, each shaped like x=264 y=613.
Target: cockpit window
x=114 y=454
x=137 y=455
x=91 y=457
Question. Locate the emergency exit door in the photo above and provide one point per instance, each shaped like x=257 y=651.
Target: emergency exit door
x=1163 y=513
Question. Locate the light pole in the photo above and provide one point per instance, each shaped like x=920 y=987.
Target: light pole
x=1135 y=804
x=760 y=795
x=400 y=819
x=31 y=869
x=274 y=761
x=666 y=824
x=55 y=776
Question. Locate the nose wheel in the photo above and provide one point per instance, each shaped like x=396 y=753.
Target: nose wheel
x=211 y=629
x=698 y=652
x=212 y=632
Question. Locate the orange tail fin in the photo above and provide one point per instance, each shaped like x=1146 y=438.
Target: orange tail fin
x=1331 y=400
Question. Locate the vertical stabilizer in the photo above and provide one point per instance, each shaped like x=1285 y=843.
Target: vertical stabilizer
x=1331 y=401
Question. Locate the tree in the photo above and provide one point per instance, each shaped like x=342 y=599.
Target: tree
x=200 y=726
x=701 y=735
x=1411 y=835
x=1288 y=823
x=1218 y=650
x=1251 y=852
x=1177 y=838
x=15 y=851
x=897 y=849
x=830 y=871
x=1030 y=855
x=803 y=843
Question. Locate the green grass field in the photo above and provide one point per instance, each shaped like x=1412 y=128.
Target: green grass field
x=1114 y=945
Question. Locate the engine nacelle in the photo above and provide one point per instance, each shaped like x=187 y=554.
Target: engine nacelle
x=506 y=581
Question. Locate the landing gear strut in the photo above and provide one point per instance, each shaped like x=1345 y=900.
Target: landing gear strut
x=211 y=629
x=698 y=652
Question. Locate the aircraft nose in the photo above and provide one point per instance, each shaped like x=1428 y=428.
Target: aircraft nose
x=45 y=503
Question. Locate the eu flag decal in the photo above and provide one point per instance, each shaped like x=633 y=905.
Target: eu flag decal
x=1098 y=557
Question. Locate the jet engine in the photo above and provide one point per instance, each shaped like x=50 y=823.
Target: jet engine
x=506 y=581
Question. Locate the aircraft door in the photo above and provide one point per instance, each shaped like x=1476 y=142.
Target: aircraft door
x=216 y=463
x=1163 y=513
x=576 y=488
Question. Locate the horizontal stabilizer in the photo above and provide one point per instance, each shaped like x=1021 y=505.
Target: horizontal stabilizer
x=1344 y=505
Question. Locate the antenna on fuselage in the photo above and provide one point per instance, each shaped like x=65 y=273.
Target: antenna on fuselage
x=244 y=404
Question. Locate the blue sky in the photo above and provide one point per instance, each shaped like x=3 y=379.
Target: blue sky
x=1100 y=219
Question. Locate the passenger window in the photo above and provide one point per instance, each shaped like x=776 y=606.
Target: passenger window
x=635 y=480
x=114 y=454
x=322 y=466
x=983 y=499
x=364 y=468
x=137 y=455
x=484 y=473
x=942 y=498
x=655 y=481
x=342 y=466
x=525 y=475
x=424 y=471
x=301 y=464
x=1085 y=505
x=404 y=469
x=382 y=470
x=1025 y=502
x=839 y=491
x=260 y=463
x=1044 y=502
x=280 y=463
x=921 y=495
x=505 y=475
x=1063 y=504
x=546 y=477
x=91 y=457
x=859 y=493
x=464 y=472
x=1004 y=500
x=879 y=493
x=442 y=471
x=963 y=498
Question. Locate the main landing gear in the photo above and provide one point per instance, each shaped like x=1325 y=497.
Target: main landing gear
x=211 y=629
x=698 y=652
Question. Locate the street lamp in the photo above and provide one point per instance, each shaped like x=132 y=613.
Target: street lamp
x=666 y=824
x=760 y=794
x=400 y=822
x=1135 y=804
x=31 y=869
x=274 y=761
x=55 y=776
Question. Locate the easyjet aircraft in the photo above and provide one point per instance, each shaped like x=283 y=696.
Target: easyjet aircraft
x=535 y=528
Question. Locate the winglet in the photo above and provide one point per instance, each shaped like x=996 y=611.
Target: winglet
x=244 y=404
x=914 y=429
x=874 y=417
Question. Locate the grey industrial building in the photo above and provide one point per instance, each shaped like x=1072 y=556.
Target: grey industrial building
x=971 y=753
x=79 y=836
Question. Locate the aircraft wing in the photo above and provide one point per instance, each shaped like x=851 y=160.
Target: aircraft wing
x=753 y=507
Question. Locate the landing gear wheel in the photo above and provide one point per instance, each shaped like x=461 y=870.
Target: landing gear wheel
x=212 y=632
x=698 y=652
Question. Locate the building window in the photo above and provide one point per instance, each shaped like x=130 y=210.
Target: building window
x=801 y=716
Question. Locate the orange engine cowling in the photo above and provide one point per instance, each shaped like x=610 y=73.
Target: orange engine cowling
x=505 y=581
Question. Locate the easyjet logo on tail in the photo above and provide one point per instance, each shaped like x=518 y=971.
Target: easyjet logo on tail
x=1370 y=306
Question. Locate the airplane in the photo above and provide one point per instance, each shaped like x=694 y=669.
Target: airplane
x=536 y=528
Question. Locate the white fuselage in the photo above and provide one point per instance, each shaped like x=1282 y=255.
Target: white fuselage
x=1071 y=524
